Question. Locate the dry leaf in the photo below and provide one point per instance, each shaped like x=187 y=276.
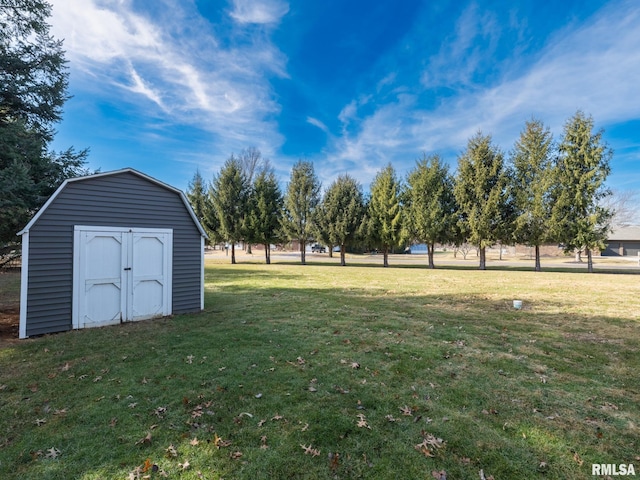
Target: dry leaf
x=355 y=365
x=194 y=442
x=146 y=439
x=184 y=465
x=171 y=451
x=40 y=421
x=441 y=475
x=236 y=455
x=52 y=453
x=310 y=450
x=406 y=410
x=362 y=422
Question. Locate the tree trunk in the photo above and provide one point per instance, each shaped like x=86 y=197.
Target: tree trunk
x=249 y=249
x=537 y=267
x=385 y=256
x=589 y=261
x=500 y=257
x=303 y=252
x=330 y=247
x=233 y=253
x=342 y=256
x=267 y=253
x=483 y=258
x=430 y=254
x=579 y=256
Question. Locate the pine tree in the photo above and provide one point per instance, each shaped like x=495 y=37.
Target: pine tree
x=432 y=208
x=265 y=211
x=578 y=220
x=384 y=212
x=533 y=161
x=33 y=84
x=301 y=201
x=230 y=194
x=481 y=192
x=345 y=210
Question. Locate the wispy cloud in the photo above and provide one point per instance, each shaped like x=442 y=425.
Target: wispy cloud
x=317 y=123
x=190 y=79
x=259 y=11
x=594 y=68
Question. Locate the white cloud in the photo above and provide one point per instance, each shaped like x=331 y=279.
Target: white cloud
x=593 y=67
x=317 y=123
x=147 y=61
x=259 y=11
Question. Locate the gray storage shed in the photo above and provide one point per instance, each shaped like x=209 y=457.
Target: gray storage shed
x=109 y=248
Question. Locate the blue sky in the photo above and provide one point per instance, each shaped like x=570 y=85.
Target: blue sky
x=173 y=86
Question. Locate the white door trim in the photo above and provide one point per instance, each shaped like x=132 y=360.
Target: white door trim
x=77 y=249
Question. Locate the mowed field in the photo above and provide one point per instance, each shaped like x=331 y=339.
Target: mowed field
x=321 y=371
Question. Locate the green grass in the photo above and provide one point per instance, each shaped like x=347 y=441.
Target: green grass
x=269 y=367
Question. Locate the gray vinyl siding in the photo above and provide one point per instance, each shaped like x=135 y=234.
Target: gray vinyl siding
x=119 y=200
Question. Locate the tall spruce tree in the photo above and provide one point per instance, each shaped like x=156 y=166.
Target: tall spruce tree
x=432 y=208
x=578 y=219
x=384 y=212
x=33 y=85
x=533 y=160
x=481 y=190
x=229 y=192
x=345 y=210
x=265 y=211
x=300 y=203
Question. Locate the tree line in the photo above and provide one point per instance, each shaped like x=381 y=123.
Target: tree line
x=541 y=192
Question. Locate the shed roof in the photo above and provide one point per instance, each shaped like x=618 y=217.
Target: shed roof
x=625 y=232
x=115 y=172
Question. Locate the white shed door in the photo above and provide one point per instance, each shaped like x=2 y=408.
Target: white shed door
x=121 y=275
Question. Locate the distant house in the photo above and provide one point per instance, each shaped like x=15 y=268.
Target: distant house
x=623 y=241
x=109 y=248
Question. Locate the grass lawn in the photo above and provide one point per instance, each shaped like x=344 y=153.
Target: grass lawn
x=322 y=371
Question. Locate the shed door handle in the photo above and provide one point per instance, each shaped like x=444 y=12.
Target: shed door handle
x=127 y=268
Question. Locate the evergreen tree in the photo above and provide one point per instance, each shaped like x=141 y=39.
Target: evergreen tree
x=578 y=219
x=432 y=208
x=384 y=212
x=481 y=192
x=345 y=210
x=33 y=84
x=301 y=201
x=265 y=211
x=533 y=160
x=230 y=194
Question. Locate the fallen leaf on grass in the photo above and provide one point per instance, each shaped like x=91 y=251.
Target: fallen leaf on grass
x=184 y=465
x=406 y=410
x=145 y=440
x=40 y=421
x=263 y=442
x=236 y=455
x=194 y=441
x=482 y=477
x=390 y=418
x=52 y=452
x=218 y=442
x=171 y=451
x=362 y=422
x=577 y=458
x=334 y=461
x=310 y=450
x=441 y=475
